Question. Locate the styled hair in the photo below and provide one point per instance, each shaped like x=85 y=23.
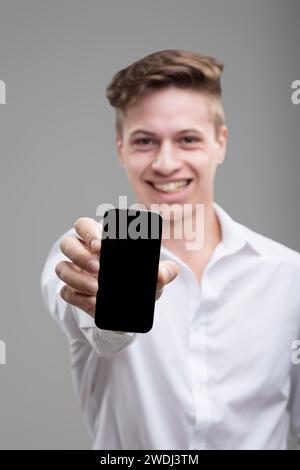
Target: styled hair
x=180 y=68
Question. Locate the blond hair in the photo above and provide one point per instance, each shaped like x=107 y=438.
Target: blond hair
x=180 y=68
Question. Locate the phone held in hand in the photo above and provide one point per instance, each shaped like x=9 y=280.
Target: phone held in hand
x=127 y=278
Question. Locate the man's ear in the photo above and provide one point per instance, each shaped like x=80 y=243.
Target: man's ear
x=119 y=148
x=222 y=144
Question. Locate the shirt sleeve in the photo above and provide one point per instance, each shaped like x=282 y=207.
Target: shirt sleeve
x=294 y=404
x=76 y=323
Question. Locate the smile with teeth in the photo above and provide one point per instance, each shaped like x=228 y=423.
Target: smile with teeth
x=172 y=187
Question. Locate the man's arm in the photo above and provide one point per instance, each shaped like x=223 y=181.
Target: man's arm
x=69 y=286
x=75 y=322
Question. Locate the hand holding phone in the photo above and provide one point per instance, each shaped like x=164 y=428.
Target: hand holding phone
x=80 y=273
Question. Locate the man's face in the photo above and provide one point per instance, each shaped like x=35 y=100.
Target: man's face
x=169 y=149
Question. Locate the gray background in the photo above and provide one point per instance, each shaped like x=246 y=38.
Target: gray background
x=58 y=160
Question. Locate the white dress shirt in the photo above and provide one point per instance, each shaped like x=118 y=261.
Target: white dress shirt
x=215 y=371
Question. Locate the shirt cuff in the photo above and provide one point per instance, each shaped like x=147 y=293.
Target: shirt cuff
x=107 y=342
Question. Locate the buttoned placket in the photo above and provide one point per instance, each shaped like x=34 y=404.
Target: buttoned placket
x=203 y=294
x=200 y=294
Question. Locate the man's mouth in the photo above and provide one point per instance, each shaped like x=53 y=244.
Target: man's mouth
x=170 y=187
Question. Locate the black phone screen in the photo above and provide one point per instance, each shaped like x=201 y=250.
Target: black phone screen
x=129 y=259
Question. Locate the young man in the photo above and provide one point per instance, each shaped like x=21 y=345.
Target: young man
x=216 y=370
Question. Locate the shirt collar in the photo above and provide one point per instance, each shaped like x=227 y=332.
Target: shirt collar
x=234 y=237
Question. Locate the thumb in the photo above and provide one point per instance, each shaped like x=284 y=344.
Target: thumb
x=168 y=270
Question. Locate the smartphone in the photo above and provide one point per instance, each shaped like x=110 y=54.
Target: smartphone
x=127 y=277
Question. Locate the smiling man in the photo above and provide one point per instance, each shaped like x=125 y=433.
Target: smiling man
x=170 y=144
x=215 y=371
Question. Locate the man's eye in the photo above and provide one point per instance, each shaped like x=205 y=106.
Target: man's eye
x=190 y=139
x=143 y=141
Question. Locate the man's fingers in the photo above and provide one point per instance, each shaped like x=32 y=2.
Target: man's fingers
x=90 y=231
x=168 y=270
x=80 y=281
x=87 y=303
x=75 y=250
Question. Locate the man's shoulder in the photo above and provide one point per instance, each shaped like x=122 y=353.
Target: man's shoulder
x=269 y=247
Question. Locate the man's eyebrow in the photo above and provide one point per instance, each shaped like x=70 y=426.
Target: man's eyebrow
x=141 y=131
x=144 y=131
x=192 y=129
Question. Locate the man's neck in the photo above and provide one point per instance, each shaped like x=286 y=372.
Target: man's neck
x=212 y=235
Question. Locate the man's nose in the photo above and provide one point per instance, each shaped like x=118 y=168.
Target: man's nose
x=165 y=160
